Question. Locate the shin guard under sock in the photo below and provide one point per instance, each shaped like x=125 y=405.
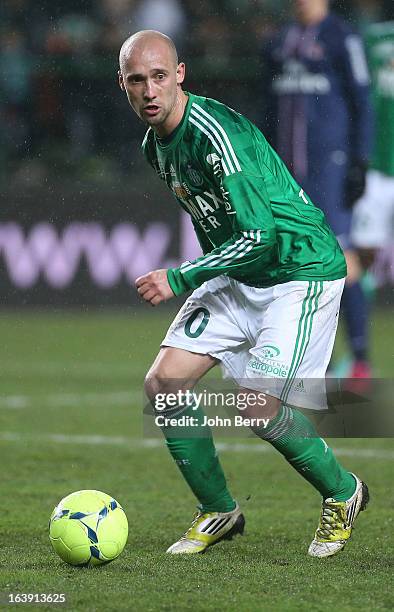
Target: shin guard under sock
x=193 y=450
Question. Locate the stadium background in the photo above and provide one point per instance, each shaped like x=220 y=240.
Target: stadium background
x=81 y=215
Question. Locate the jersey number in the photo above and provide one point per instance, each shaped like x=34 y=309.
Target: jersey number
x=202 y=325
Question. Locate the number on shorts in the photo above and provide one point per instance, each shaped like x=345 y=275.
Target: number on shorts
x=204 y=322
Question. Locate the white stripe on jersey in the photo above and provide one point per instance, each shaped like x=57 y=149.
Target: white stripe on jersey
x=222 y=131
x=250 y=234
x=234 y=251
x=357 y=59
x=212 y=259
x=248 y=248
x=218 y=138
x=211 y=138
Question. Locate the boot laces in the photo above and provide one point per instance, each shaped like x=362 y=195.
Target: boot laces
x=196 y=516
x=332 y=519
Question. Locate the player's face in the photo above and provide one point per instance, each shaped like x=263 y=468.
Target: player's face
x=151 y=81
x=306 y=9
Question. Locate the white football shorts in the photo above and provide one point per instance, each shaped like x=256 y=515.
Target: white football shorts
x=276 y=340
x=373 y=214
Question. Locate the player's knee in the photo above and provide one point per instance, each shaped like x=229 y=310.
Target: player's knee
x=154 y=383
x=160 y=379
x=257 y=405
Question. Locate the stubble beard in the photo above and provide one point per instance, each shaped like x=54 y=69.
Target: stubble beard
x=164 y=114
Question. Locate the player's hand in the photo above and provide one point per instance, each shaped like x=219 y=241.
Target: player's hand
x=355 y=182
x=154 y=287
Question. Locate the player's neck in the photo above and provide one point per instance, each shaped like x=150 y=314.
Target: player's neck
x=313 y=17
x=175 y=117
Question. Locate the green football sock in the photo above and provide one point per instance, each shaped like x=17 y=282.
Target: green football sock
x=194 y=453
x=295 y=437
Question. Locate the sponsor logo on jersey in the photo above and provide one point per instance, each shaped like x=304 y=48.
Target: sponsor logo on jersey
x=227 y=203
x=300 y=386
x=203 y=207
x=267 y=362
x=180 y=191
x=212 y=158
x=269 y=351
x=297 y=79
x=268 y=368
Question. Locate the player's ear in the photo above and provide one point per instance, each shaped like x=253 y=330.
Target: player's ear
x=180 y=73
x=120 y=79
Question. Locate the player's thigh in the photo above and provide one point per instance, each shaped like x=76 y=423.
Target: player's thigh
x=206 y=326
x=293 y=349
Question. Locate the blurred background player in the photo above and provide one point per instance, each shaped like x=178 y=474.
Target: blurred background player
x=317 y=115
x=372 y=226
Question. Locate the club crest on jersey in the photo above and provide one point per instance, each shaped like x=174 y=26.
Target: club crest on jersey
x=194 y=176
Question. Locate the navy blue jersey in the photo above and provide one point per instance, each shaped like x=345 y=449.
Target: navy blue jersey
x=316 y=87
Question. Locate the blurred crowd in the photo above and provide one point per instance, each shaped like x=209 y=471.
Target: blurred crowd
x=61 y=114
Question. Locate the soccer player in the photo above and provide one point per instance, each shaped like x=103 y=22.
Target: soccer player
x=372 y=226
x=266 y=291
x=319 y=119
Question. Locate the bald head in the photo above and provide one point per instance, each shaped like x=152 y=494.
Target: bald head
x=145 y=39
x=152 y=80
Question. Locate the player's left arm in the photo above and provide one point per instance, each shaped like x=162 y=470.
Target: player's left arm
x=357 y=87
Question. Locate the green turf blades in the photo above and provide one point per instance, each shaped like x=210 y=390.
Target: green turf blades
x=67 y=365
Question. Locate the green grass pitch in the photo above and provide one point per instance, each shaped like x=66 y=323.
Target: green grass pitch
x=70 y=410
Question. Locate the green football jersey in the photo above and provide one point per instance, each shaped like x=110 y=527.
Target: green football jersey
x=253 y=221
x=380 y=52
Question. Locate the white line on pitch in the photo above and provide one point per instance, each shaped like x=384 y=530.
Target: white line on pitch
x=72 y=368
x=56 y=400
x=132 y=443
